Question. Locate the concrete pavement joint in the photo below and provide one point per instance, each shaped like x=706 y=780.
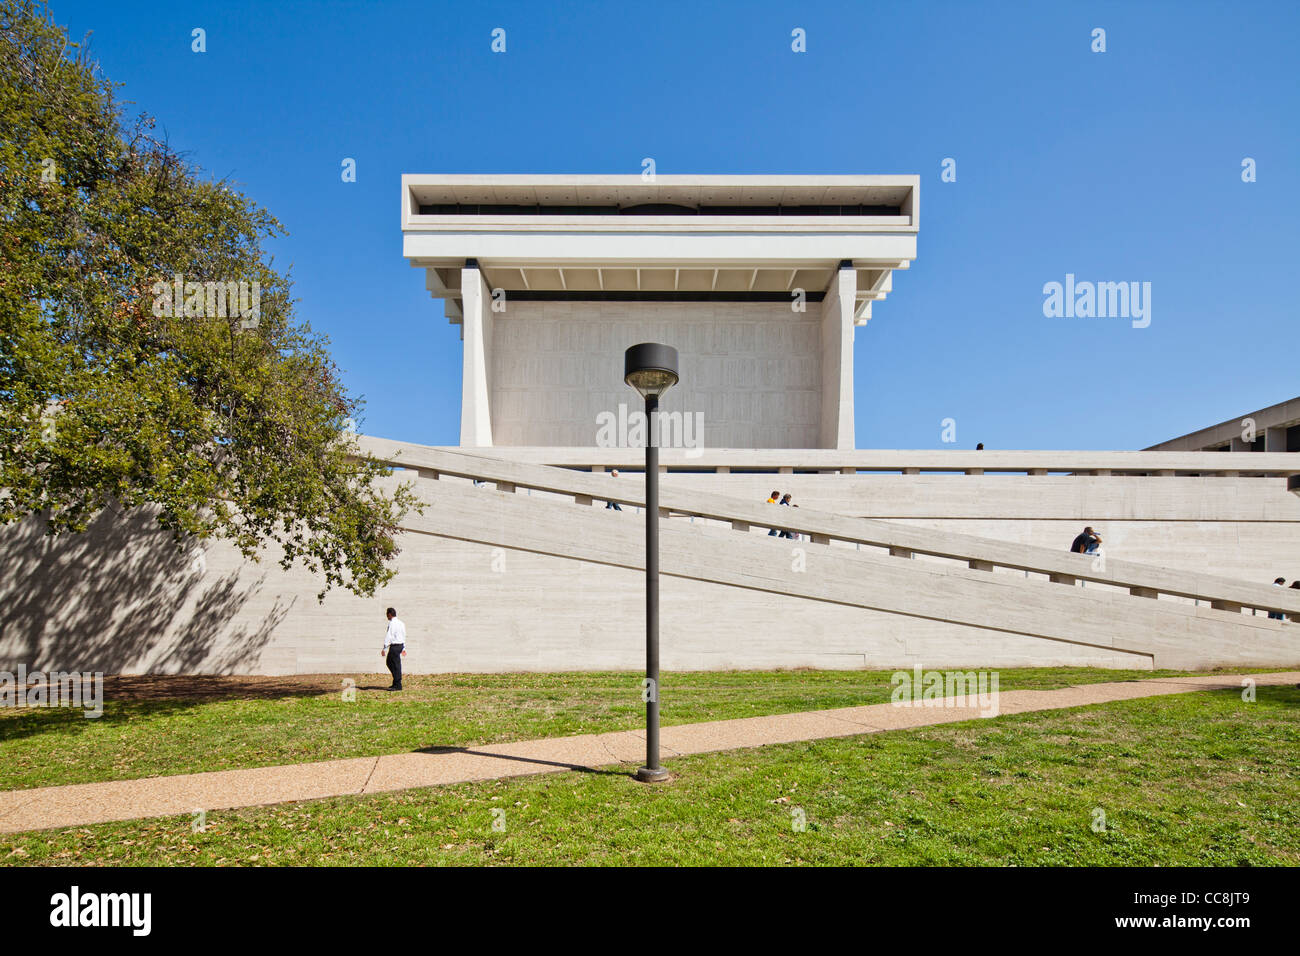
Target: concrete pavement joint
x=370 y=776
x=605 y=743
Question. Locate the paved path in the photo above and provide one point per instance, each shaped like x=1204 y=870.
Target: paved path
x=81 y=804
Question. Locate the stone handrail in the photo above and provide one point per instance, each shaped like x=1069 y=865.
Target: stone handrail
x=1227 y=594
x=959 y=461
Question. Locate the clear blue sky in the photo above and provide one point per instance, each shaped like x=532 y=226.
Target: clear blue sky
x=1115 y=166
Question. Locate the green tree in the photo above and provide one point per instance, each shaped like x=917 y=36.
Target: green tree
x=113 y=394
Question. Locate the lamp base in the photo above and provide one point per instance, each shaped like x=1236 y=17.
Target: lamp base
x=647 y=775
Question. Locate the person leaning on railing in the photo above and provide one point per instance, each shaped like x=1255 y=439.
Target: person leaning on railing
x=773 y=499
x=613 y=505
x=1278 y=615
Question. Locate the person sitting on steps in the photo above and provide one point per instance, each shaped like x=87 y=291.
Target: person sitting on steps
x=1086 y=543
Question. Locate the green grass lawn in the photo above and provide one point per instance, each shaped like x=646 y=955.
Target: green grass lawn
x=1188 y=779
x=191 y=725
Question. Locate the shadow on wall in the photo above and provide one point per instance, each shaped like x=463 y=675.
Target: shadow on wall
x=122 y=596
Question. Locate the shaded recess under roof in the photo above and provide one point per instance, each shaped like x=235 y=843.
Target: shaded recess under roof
x=654 y=209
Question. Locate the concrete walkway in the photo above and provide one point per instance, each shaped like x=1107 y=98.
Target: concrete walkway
x=81 y=804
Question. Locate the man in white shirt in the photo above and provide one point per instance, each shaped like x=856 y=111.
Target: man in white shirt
x=394 y=648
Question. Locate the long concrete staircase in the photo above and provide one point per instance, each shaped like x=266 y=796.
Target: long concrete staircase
x=1176 y=618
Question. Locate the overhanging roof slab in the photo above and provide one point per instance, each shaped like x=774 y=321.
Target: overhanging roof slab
x=657 y=249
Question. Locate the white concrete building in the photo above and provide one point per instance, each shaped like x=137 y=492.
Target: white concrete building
x=933 y=558
x=759 y=282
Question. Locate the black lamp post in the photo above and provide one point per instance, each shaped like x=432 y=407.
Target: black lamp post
x=651 y=369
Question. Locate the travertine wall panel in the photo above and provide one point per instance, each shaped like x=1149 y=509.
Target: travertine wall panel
x=752 y=370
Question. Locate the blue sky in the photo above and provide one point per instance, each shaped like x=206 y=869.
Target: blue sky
x=1115 y=166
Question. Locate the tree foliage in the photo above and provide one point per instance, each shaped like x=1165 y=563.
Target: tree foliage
x=229 y=426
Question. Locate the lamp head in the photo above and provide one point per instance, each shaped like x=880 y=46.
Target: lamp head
x=650 y=368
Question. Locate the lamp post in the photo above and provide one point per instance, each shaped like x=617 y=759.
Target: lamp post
x=651 y=369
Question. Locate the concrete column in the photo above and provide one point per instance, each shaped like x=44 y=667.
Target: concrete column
x=475 y=411
x=1275 y=439
x=837 y=359
x=586 y=499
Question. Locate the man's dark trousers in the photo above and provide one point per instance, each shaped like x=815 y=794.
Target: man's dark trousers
x=395 y=664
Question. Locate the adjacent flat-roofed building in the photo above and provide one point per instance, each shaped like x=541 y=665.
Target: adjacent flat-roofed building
x=758 y=281
x=1276 y=428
